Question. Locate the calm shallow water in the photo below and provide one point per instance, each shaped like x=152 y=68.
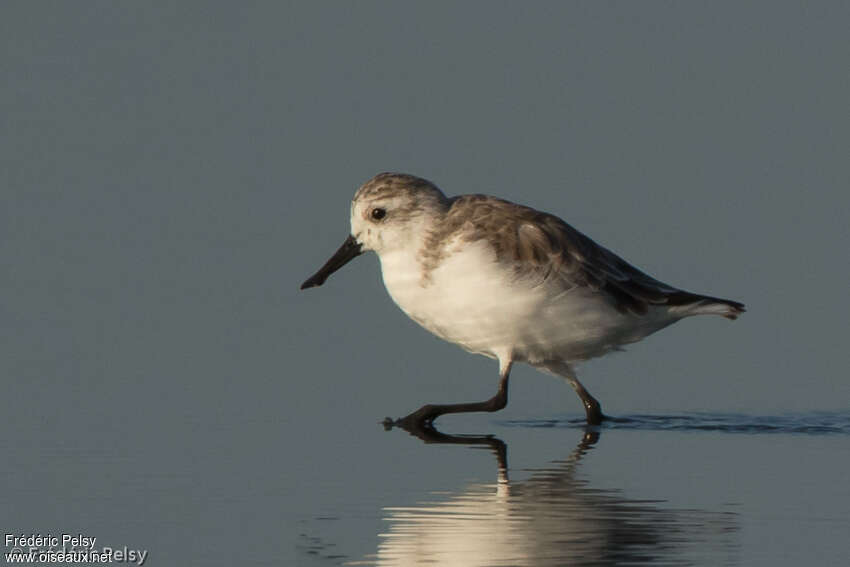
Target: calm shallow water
x=222 y=486
x=692 y=489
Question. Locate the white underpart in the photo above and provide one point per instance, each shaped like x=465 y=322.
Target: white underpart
x=478 y=303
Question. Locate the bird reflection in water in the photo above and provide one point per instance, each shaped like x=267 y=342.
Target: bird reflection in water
x=551 y=518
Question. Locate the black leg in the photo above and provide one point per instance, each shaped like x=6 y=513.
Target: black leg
x=592 y=407
x=425 y=415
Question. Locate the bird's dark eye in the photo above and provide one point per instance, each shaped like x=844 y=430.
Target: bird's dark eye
x=378 y=213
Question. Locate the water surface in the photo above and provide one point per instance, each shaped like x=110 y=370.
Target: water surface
x=690 y=489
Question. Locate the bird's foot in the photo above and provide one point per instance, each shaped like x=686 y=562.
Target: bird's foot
x=423 y=418
x=593 y=409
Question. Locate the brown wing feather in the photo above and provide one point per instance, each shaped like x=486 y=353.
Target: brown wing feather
x=576 y=259
x=545 y=247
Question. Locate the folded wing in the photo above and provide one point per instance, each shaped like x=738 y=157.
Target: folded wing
x=546 y=249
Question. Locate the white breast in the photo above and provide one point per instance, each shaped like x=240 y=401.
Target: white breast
x=476 y=302
x=468 y=299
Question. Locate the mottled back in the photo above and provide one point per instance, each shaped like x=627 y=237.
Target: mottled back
x=545 y=249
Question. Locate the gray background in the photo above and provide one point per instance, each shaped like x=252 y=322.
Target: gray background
x=171 y=172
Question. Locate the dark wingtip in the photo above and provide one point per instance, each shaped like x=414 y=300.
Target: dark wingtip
x=736 y=309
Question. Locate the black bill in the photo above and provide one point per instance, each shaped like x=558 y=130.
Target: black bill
x=349 y=250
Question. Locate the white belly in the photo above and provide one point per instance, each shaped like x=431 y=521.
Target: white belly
x=477 y=303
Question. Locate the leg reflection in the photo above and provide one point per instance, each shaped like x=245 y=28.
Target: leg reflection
x=426 y=431
x=551 y=515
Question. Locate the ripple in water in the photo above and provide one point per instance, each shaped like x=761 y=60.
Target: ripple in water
x=817 y=423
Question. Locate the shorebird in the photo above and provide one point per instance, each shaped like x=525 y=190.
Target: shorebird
x=506 y=281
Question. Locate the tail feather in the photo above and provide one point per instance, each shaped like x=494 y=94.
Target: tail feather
x=695 y=304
